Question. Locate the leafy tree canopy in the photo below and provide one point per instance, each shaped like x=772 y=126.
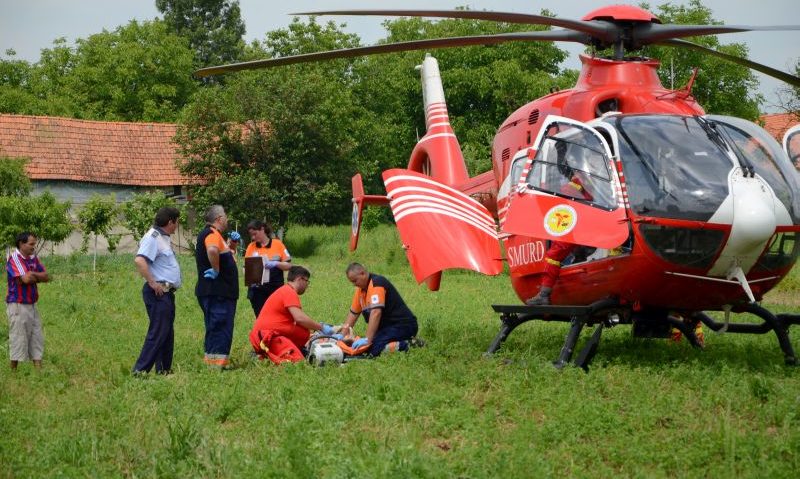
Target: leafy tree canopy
x=214 y=28
x=42 y=215
x=140 y=210
x=279 y=144
x=139 y=72
x=98 y=217
x=13 y=180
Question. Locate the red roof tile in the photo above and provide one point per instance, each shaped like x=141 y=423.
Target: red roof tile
x=117 y=153
x=776 y=124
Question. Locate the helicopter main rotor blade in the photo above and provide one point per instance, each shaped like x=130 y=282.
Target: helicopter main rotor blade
x=600 y=30
x=546 y=36
x=769 y=71
x=654 y=32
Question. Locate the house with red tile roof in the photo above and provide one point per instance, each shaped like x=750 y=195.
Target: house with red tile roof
x=776 y=124
x=76 y=158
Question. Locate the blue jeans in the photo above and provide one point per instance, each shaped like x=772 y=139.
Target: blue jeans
x=394 y=332
x=218 y=314
x=160 y=340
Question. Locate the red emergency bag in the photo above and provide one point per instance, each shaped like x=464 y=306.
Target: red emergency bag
x=279 y=349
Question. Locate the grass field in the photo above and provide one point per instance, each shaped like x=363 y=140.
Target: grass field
x=648 y=408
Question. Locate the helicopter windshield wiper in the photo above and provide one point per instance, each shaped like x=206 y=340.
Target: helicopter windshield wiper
x=716 y=137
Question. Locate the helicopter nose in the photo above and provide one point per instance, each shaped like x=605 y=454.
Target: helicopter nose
x=754 y=219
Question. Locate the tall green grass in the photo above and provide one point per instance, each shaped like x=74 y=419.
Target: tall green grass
x=648 y=408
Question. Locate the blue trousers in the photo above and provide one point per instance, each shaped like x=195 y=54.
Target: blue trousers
x=218 y=314
x=160 y=340
x=394 y=332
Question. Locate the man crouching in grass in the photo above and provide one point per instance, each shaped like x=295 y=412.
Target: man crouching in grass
x=283 y=314
x=24 y=271
x=391 y=326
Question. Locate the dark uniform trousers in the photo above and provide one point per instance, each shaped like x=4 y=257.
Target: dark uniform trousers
x=400 y=332
x=160 y=340
x=218 y=314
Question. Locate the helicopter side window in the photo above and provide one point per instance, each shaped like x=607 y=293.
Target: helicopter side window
x=572 y=164
x=758 y=149
x=793 y=148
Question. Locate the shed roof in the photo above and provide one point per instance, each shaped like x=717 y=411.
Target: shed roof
x=118 y=153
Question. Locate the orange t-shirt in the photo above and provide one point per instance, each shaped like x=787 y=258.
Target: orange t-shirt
x=275 y=250
x=275 y=316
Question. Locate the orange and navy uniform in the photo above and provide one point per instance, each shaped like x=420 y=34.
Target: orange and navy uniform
x=274 y=250
x=217 y=297
x=381 y=294
x=559 y=250
x=275 y=317
x=226 y=285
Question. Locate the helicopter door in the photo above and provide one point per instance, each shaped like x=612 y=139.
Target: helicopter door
x=572 y=192
x=791 y=143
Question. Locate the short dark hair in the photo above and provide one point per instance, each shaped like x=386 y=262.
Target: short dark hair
x=354 y=268
x=298 y=272
x=258 y=224
x=23 y=238
x=165 y=215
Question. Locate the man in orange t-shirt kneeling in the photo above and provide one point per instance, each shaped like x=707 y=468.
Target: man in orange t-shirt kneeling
x=283 y=314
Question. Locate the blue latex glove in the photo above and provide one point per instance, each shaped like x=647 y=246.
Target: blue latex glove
x=338 y=337
x=210 y=273
x=359 y=342
x=235 y=236
x=270 y=264
x=326 y=329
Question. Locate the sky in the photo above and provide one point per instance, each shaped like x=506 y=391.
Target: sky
x=28 y=26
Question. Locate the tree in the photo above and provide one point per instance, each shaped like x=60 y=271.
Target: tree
x=138 y=212
x=14 y=78
x=13 y=180
x=42 y=215
x=281 y=143
x=139 y=72
x=721 y=87
x=789 y=96
x=483 y=84
x=214 y=28
x=97 y=217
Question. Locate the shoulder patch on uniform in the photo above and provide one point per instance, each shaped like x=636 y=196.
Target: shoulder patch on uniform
x=374 y=299
x=154 y=234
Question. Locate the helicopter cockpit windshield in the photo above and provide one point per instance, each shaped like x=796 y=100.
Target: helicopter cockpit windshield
x=675 y=166
x=571 y=163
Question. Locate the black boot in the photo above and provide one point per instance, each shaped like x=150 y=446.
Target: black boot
x=542 y=298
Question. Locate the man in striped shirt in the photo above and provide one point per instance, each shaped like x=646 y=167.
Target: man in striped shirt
x=24 y=272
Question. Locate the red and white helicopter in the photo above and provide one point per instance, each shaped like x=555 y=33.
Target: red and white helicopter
x=687 y=212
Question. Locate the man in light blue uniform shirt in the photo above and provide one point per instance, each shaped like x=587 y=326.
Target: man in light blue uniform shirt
x=157 y=264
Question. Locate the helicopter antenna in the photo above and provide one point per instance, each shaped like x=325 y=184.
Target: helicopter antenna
x=690 y=84
x=671 y=73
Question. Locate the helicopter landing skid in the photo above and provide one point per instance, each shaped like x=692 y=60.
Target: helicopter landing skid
x=512 y=316
x=779 y=323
